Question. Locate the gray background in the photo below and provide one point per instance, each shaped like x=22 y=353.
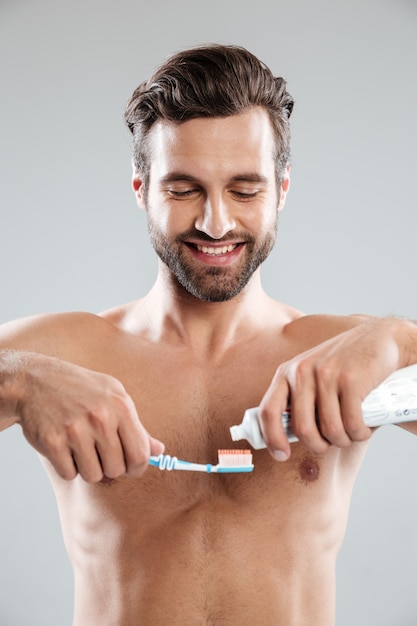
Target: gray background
x=71 y=236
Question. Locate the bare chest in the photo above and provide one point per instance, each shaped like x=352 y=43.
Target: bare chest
x=190 y=407
x=189 y=404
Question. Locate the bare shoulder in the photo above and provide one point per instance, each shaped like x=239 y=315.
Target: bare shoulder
x=314 y=329
x=118 y=316
x=56 y=334
x=132 y=318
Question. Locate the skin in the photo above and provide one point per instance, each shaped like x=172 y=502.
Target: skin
x=97 y=394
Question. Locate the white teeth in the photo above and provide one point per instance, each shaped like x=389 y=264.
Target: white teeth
x=216 y=251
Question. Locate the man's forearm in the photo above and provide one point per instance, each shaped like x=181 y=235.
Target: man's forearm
x=11 y=378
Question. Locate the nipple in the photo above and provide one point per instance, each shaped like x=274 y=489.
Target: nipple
x=309 y=469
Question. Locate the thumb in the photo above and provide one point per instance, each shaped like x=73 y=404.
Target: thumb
x=156 y=446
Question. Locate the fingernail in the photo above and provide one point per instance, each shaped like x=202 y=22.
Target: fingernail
x=280 y=455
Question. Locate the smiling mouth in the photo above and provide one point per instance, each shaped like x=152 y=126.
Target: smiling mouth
x=216 y=251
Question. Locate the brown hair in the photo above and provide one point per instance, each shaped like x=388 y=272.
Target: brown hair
x=208 y=81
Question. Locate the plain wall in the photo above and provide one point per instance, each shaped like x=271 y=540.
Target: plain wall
x=72 y=238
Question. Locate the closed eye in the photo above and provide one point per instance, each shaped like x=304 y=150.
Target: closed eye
x=181 y=194
x=244 y=195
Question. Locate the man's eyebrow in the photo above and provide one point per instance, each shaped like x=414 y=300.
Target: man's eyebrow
x=247 y=177
x=173 y=177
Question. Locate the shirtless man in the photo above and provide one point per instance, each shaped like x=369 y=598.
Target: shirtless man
x=97 y=394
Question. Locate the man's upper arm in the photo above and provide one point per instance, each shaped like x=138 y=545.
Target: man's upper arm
x=61 y=334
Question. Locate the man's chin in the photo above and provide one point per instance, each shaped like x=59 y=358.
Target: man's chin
x=213 y=293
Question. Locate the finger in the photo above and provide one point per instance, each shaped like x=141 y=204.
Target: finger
x=272 y=406
x=304 y=409
x=136 y=447
x=328 y=415
x=351 y=408
x=112 y=459
x=339 y=406
x=53 y=447
x=81 y=439
x=87 y=460
x=63 y=463
x=330 y=424
x=156 y=446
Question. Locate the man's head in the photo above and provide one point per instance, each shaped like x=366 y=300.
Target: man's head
x=209 y=81
x=211 y=149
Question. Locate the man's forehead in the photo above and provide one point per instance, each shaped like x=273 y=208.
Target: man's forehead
x=246 y=140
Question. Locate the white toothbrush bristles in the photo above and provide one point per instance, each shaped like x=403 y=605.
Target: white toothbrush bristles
x=228 y=458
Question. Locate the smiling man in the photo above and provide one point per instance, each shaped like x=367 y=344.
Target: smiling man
x=219 y=249
x=96 y=395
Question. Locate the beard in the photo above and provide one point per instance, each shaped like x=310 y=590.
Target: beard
x=209 y=283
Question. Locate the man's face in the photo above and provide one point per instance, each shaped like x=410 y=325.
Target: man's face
x=212 y=200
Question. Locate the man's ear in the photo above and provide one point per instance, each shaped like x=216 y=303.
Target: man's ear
x=285 y=186
x=137 y=185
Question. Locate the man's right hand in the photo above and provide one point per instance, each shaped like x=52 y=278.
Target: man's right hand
x=84 y=422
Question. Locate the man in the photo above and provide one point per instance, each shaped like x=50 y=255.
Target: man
x=97 y=395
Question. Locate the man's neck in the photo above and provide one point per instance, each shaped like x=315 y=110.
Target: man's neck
x=207 y=327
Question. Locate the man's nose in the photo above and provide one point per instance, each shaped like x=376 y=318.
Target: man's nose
x=215 y=219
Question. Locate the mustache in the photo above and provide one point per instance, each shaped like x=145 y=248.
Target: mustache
x=237 y=236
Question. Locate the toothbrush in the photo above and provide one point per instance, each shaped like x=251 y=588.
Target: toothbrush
x=230 y=461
